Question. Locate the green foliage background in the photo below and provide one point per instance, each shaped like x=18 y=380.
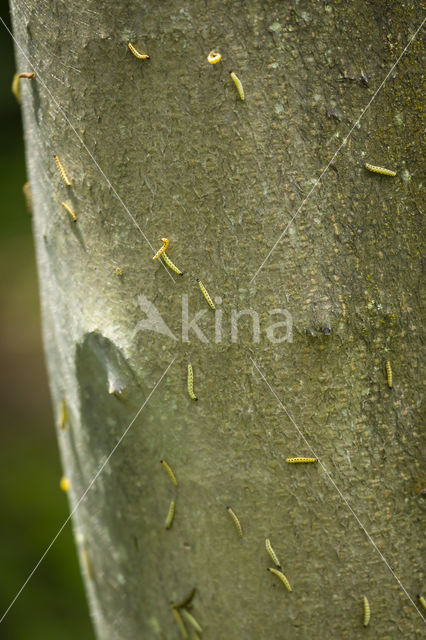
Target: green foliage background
x=33 y=508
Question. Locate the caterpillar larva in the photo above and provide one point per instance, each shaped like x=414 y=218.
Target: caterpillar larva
x=190 y=383
x=214 y=57
x=236 y=521
x=382 y=170
x=281 y=576
x=206 y=294
x=62 y=172
x=64 y=484
x=140 y=56
x=185 y=601
x=16 y=89
x=163 y=248
x=272 y=553
x=63 y=415
x=192 y=621
x=389 y=373
x=170 y=472
x=170 y=515
x=118 y=271
x=367 y=612
x=87 y=564
x=28 y=197
x=69 y=211
x=179 y=622
x=422 y=601
x=238 y=84
x=297 y=460
x=170 y=264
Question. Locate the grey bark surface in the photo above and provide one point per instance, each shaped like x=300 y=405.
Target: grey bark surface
x=221 y=178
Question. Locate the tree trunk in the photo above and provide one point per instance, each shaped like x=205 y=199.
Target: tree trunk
x=165 y=147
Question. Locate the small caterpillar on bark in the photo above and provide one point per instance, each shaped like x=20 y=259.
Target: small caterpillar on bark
x=163 y=248
x=238 y=84
x=190 y=383
x=192 y=621
x=170 y=264
x=179 y=622
x=139 y=56
x=236 y=521
x=87 y=563
x=367 y=612
x=62 y=172
x=16 y=89
x=69 y=211
x=272 y=553
x=389 y=373
x=282 y=577
x=63 y=415
x=170 y=472
x=382 y=170
x=170 y=515
x=206 y=294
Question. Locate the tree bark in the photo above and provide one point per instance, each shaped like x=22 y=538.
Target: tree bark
x=166 y=148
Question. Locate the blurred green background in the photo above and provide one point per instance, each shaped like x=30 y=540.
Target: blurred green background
x=33 y=508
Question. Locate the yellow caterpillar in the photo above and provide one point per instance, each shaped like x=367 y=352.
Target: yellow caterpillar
x=140 y=56
x=191 y=383
x=236 y=521
x=297 y=460
x=282 y=577
x=382 y=170
x=192 y=621
x=389 y=373
x=206 y=294
x=171 y=514
x=170 y=472
x=272 y=553
x=163 y=248
x=238 y=84
x=170 y=264
x=63 y=415
x=15 y=88
x=87 y=563
x=62 y=172
x=179 y=622
x=28 y=197
x=70 y=211
x=367 y=612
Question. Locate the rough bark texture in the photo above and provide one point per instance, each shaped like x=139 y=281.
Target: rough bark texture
x=221 y=178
